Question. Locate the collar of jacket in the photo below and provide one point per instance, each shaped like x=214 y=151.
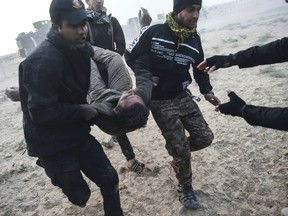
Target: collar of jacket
x=61 y=43
x=98 y=17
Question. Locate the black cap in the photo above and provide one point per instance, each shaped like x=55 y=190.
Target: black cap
x=72 y=11
x=180 y=5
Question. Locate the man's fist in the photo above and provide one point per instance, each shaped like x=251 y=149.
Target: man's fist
x=13 y=93
x=144 y=17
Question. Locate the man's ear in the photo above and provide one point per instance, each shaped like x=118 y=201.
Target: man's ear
x=55 y=27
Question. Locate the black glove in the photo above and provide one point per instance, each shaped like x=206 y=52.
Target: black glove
x=221 y=61
x=234 y=107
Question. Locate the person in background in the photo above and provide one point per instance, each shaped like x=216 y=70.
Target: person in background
x=172 y=48
x=105 y=30
x=53 y=85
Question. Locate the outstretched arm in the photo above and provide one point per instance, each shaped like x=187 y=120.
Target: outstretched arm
x=274 y=52
x=270 y=117
x=276 y=118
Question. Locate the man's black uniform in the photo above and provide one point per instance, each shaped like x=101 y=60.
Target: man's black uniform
x=274 y=52
x=106 y=32
x=54 y=81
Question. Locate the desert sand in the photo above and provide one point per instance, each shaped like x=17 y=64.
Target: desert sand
x=243 y=172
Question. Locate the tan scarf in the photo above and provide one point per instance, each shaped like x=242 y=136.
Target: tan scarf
x=181 y=32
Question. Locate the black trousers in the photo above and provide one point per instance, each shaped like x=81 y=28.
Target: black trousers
x=64 y=170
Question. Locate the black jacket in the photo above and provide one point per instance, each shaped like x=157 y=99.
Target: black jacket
x=53 y=81
x=276 y=118
x=169 y=61
x=274 y=52
x=106 y=31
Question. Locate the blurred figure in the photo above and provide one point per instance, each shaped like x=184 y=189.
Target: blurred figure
x=105 y=31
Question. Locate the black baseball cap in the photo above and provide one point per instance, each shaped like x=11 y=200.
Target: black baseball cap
x=72 y=11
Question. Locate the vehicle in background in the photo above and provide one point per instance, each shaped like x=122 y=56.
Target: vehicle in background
x=27 y=42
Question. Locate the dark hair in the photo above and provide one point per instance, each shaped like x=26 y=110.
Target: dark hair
x=133 y=117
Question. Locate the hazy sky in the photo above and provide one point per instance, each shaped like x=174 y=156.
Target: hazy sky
x=18 y=18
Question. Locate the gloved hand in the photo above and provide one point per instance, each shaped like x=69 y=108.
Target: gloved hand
x=234 y=107
x=217 y=61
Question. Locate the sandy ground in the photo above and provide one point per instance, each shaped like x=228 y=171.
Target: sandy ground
x=244 y=171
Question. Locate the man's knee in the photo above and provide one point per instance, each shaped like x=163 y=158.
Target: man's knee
x=75 y=188
x=207 y=137
x=178 y=147
x=202 y=141
x=67 y=176
x=80 y=195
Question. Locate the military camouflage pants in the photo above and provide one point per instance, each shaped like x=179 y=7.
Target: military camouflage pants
x=174 y=117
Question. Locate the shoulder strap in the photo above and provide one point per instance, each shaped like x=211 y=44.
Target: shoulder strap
x=90 y=33
x=112 y=31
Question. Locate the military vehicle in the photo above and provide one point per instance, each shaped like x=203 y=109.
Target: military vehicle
x=27 y=42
